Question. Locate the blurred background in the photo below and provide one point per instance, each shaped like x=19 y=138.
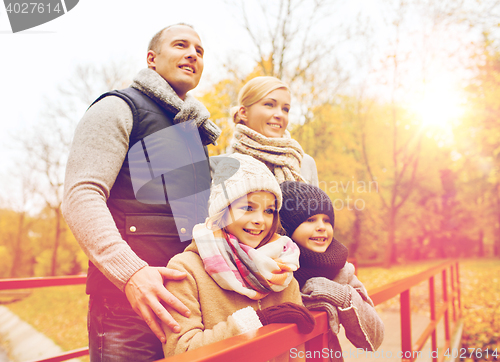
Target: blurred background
x=396 y=100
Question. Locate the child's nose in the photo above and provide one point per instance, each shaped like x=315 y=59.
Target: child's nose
x=320 y=225
x=258 y=218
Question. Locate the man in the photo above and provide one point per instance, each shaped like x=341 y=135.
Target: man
x=129 y=214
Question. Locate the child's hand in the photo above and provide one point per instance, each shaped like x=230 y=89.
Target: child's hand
x=288 y=313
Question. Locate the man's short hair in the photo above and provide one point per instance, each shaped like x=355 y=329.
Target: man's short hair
x=155 y=43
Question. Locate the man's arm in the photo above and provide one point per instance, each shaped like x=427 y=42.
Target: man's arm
x=99 y=148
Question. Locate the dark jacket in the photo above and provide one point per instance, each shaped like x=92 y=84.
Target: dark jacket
x=162 y=189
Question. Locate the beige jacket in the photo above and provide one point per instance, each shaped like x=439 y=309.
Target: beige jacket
x=213 y=316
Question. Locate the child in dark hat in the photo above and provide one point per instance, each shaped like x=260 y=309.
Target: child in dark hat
x=326 y=279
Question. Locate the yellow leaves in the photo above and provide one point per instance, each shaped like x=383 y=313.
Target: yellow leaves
x=480 y=292
x=218 y=102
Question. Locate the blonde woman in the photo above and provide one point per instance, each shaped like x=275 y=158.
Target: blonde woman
x=261 y=119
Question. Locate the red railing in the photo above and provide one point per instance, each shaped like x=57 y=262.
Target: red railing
x=28 y=283
x=272 y=340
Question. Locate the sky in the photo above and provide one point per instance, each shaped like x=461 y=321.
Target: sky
x=34 y=62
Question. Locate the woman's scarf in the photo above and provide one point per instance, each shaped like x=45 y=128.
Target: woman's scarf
x=156 y=87
x=327 y=264
x=282 y=155
x=251 y=272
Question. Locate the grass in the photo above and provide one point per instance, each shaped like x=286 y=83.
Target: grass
x=60 y=312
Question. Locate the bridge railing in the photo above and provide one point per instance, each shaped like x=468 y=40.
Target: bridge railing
x=275 y=339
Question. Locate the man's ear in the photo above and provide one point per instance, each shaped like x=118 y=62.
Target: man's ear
x=242 y=113
x=151 y=59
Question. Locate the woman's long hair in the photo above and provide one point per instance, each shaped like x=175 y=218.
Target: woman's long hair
x=253 y=91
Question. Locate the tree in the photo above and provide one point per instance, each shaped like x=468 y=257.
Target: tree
x=297 y=42
x=480 y=141
x=46 y=148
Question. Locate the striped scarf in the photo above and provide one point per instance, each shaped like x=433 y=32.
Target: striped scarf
x=251 y=272
x=283 y=155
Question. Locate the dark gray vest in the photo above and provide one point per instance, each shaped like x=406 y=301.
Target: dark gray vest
x=162 y=189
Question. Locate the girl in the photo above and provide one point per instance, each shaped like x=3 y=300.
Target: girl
x=261 y=119
x=240 y=272
x=326 y=280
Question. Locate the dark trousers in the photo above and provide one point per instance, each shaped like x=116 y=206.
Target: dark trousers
x=118 y=334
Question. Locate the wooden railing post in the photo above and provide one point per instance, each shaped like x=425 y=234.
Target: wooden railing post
x=432 y=302
x=405 y=324
x=446 y=313
x=453 y=298
x=318 y=343
x=458 y=291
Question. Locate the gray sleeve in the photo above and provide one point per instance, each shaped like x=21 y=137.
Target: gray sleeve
x=362 y=324
x=309 y=171
x=97 y=153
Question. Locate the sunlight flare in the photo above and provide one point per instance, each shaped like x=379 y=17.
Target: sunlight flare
x=439 y=105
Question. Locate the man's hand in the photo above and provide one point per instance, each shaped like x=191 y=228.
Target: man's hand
x=145 y=292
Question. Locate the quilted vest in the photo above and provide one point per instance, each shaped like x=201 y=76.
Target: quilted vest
x=162 y=188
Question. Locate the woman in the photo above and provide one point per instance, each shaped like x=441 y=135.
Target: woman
x=261 y=119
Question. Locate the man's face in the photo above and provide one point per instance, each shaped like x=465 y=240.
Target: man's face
x=180 y=60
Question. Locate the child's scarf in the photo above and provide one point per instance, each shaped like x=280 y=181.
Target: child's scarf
x=240 y=268
x=327 y=264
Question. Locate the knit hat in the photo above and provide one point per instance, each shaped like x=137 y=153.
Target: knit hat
x=237 y=175
x=300 y=202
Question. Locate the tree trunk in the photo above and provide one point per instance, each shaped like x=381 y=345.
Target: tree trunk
x=481 y=244
x=16 y=258
x=390 y=256
x=57 y=237
x=356 y=233
x=496 y=245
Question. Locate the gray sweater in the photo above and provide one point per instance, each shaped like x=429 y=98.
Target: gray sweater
x=99 y=148
x=346 y=302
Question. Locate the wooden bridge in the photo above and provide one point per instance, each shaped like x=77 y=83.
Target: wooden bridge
x=274 y=339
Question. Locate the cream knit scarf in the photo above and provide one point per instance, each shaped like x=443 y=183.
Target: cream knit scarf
x=283 y=156
x=154 y=86
x=251 y=272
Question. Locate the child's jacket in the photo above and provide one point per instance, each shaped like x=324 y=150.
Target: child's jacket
x=211 y=306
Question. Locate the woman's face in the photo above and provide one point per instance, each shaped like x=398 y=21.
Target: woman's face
x=269 y=116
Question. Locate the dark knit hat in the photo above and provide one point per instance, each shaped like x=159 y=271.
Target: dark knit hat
x=300 y=202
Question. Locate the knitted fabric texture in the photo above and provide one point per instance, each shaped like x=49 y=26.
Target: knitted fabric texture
x=251 y=272
x=283 y=155
x=156 y=87
x=313 y=303
x=288 y=313
x=236 y=176
x=300 y=202
x=326 y=264
x=355 y=311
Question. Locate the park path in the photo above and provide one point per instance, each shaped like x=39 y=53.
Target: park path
x=24 y=342
x=391 y=346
